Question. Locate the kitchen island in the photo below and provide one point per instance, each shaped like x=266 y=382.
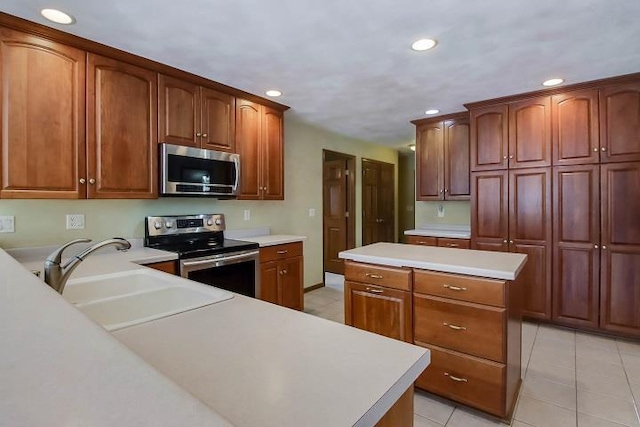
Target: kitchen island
x=239 y=362
x=463 y=305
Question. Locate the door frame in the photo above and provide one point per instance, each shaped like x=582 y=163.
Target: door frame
x=351 y=200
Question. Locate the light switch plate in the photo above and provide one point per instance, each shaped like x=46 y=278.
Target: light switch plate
x=312 y=212
x=7 y=224
x=75 y=221
x=247 y=214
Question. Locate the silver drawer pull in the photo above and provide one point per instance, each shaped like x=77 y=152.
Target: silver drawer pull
x=375 y=291
x=456 y=379
x=373 y=276
x=453 y=245
x=454 y=288
x=454 y=327
x=282 y=252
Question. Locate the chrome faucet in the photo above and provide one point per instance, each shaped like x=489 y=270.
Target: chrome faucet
x=56 y=275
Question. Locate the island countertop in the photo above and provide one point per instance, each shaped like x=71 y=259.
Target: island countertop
x=495 y=265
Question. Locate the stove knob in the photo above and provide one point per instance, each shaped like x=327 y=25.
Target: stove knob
x=218 y=221
x=168 y=224
x=157 y=225
x=209 y=222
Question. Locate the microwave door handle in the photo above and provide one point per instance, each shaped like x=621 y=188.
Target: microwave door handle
x=237 y=183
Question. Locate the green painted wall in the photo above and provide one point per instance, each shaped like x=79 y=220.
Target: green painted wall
x=455 y=213
x=42 y=222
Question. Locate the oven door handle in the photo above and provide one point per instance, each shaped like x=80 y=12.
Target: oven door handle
x=231 y=259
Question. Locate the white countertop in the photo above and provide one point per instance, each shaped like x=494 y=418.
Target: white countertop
x=250 y=362
x=274 y=239
x=496 y=265
x=439 y=230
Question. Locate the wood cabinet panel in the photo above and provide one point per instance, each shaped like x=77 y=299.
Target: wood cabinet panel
x=620 y=123
x=456 y=160
x=42 y=123
x=535 y=279
x=429 y=155
x=272 y=169
x=170 y=267
x=389 y=277
x=489 y=138
x=248 y=135
x=282 y=275
x=217 y=118
x=459 y=287
x=122 y=127
x=454 y=243
x=575 y=127
x=178 y=111
x=269 y=282
x=470 y=380
x=421 y=240
x=620 y=234
x=530 y=133
x=379 y=310
x=278 y=252
x=490 y=207
x=576 y=242
x=401 y=413
x=290 y=289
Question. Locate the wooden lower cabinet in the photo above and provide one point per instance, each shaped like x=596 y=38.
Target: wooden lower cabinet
x=443 y=242
x=282 y=275
x=170 y=267
x=401 y=413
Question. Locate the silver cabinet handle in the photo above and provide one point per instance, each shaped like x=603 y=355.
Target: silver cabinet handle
x=504 y=241
x=373 y=276
x=282 y=252
x=454 y=327
x=511 y=242
x=604 y=246
x=446 y=190
x=92 y=181
x=595 y=246
x=442 y=191
x=456 y=379
x=82 y=180
x=283 y=272
x=604 y=149
x=595 y=149
x=204 y=135
x=375 y=291
x=453 y=245
x=198 y=134
x=454 y=288
x=504 y=157
x=511 y=157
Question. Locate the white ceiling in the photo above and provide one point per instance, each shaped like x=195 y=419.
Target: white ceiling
x=347 y=66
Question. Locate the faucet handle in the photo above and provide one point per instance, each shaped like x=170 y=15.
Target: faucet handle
x=56 y=256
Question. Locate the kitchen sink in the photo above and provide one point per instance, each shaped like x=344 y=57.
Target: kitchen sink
x=124 y=299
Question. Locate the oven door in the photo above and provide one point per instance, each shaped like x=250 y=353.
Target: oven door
x=237 y=272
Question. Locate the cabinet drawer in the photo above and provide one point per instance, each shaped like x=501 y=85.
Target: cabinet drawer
x=276 y=252
x=421 y=240
x=466 y=379
x=454 y=243
x=463 y=288
x=389 y=277
x=462 y=326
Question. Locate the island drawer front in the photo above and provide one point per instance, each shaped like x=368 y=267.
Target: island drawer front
x=454 y=243
x=469 y=328
x=463 y=288
x=277 y=252
x=389 y=277
x=475 y=382
x=421 y=240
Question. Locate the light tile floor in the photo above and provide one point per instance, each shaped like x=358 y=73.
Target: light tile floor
x=570 y=379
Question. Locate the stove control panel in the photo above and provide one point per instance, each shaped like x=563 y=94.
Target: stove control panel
x=183 y=224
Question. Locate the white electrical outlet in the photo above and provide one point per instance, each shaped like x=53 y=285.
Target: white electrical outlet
x=247 y=214
x=312 y=212
x=75 y=221
x=440 y=211
x=7 y=224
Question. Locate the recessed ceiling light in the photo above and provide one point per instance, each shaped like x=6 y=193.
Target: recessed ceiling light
x=58 y=16
x=423 y=44
x=552 y=82
x=273 y=92
x=432 y=112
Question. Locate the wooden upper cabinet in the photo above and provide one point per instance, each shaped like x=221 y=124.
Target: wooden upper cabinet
x=620 y=268
x=122 y=130
x=442 y=158
x=260 y=143
x=489 y=138
x=43 y=122
x=429 y=154
x=195 y=116
x=217 y=120
x=620 y=123
x=530 y=133
x=575 y=128
x=178 y=111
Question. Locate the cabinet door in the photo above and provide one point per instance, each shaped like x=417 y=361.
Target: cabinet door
x=380 y=310
x=218 y=115
x=489 y=138
x=576 y=241
x=122 y=119
x=429 y=155
x=620 y=123
x=248 y=134
x=456 y=160
x=269 y=273
x=42 y=118
x=178 y=111
x=575 y=128
x=620 y=270
x=421 y=240
x=489 y=210
x=290 y=285
x=530 y=133
x=530 y=233
x=272 y=154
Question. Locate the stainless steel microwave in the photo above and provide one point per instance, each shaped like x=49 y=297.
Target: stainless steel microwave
x=187 y=171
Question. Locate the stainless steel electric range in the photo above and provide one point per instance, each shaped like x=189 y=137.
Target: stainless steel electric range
x=204 y=254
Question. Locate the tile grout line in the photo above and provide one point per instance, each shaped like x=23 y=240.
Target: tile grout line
x=575 y=371
x=633 y=397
